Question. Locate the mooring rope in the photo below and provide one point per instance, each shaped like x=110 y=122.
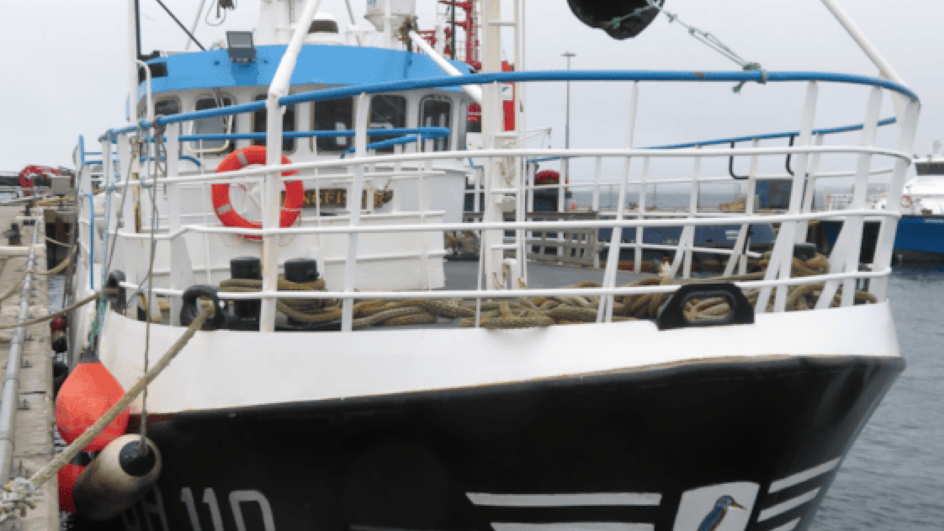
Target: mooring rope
x=20 y=489
x=60 y=313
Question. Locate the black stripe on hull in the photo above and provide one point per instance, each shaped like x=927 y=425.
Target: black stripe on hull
x=409 y=462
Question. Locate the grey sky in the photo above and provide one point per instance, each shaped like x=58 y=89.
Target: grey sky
x=64 y=69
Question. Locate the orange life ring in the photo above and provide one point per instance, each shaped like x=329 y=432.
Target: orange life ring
x=906 y=201
x=223 y=206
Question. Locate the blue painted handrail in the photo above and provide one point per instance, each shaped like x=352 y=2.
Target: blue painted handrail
x=830 y=131
x=769 y=136
x=428 y=132
x=514 y=77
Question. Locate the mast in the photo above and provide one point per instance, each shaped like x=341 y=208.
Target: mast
x=134 y=50
x=492 y=124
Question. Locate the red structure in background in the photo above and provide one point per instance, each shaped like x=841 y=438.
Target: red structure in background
x=470 y=25
x=30 y=173
x=472 y=47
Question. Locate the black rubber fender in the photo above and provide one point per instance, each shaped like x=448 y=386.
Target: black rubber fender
x=189 y=311
x=118 y=300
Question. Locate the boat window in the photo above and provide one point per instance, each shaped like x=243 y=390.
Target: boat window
x=334 y=115
x=387 y=112
x=213 y=126
x=474 y=120
x=436 y=112
x=323 y=26
x=167 y=107
x=288 y=125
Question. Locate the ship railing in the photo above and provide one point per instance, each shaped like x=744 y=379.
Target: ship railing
x=683 y=249
x=844 y=260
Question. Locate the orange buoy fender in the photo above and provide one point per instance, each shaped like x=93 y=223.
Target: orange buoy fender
x=68 y=475
x=223 y=206
x=88 y=392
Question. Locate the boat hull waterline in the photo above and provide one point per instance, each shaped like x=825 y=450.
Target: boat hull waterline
x=643 y=449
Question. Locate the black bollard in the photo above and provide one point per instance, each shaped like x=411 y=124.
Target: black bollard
x=246 y=312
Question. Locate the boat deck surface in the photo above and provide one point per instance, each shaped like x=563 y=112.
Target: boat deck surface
x=461 y=275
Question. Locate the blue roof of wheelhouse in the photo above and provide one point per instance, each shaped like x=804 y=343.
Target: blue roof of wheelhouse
x=317 y=64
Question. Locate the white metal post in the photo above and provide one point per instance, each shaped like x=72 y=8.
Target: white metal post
x=885 y=245
x=565 y=163
x=474 y=91
x=641 y=215
x=273 y=182
x=492 y=109
x=132 y=61
x=845 y=255
x=803 y=229
x=172 y=149
x=193 y=27
x=692 y=214
x=597 y=175
x=743 y=240
x=885 y=69
x=781 y=261
x=354 y=207
x=271 y=212
x=616 y=237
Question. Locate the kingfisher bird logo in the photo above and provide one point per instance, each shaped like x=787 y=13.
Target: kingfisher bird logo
x=725 y=507
x=718 y=513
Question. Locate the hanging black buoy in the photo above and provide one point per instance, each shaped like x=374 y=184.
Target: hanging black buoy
x=118 y=477
x=620 y=19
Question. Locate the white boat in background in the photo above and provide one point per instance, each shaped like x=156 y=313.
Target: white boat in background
x=353 y=378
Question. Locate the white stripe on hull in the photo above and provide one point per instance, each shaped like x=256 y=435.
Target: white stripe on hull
x=804 y=476
x=788 y=505
x=574 y=526
x=789 y=526
x=566 y=500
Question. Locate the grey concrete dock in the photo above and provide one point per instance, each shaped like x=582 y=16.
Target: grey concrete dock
x=32 y=435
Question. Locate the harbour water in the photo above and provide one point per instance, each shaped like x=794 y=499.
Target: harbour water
x=893 y=479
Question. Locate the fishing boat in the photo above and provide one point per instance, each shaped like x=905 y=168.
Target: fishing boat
x=920 y=236
x=276 y=215
x=921 y=229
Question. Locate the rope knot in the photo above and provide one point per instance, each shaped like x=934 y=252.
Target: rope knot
x=16 y=499
x=753 y=67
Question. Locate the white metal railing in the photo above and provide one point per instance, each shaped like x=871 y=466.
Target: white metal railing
x=694 y=219
x=356 y=173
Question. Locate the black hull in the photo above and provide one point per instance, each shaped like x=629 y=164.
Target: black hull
x=408 y=462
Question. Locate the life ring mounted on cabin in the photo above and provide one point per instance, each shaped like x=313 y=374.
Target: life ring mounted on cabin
x=223 y=204
x=906 y=201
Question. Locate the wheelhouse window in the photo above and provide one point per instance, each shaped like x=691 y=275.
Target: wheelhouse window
x=166 y=107
x=216 y=125
x=259 y=125
x=333 y=115
x=437 y=112
x=387 y=112
x=474 y=120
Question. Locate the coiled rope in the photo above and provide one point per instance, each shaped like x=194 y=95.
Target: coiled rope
x=539 y=312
